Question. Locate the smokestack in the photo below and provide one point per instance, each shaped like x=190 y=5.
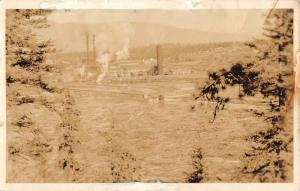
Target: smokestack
x=159 y=58
x=94 y=51
x=87 y=49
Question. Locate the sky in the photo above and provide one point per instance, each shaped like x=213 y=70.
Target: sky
x=115 y=29
x=228 y=21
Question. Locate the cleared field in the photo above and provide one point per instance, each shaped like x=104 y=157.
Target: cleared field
x=160 y=136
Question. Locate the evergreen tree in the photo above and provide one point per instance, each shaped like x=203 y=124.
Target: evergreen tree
x=271 y=75
x=34 y=96
x=25 y=53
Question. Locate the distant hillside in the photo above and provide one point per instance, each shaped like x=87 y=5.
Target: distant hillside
x=172 y=52
x=176 y=50
x=70 y=37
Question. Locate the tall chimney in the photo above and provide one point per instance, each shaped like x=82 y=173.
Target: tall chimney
x=94 y=51
x=159 y=58
x=87 y=49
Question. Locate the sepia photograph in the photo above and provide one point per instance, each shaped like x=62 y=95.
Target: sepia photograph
x=170 y=96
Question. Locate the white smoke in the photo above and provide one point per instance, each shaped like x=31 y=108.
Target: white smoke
x=150 y=61
x=124 y=52
x=103 y=60
x=81 y=71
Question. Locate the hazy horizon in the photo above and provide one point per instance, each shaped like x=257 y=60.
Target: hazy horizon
x=115 y=29
x=245 y=21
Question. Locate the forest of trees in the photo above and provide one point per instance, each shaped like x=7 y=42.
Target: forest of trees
x=173 y=51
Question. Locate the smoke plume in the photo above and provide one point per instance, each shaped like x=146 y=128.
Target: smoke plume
x=103 y=60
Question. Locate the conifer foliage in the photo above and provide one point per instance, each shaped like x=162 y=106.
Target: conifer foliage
x=270 y=74
x=25 y=53
x=271 y=70
x=41 y=114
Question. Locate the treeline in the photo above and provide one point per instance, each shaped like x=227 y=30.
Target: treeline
x=172 y=50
